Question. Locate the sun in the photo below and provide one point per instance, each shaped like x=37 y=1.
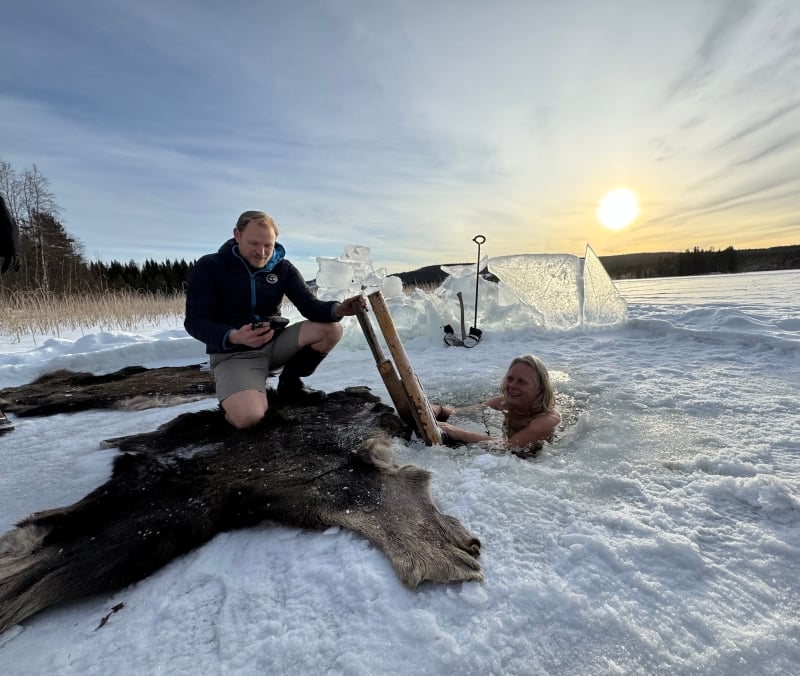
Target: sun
x=618 y=209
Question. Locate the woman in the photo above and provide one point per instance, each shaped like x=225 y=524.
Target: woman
x=527 y=400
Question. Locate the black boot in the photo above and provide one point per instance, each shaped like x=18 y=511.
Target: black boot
x=5 y=424
x=290 y=388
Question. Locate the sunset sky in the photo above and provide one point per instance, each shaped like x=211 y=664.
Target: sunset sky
x=407 y=126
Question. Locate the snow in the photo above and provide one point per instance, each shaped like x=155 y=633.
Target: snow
x=658 y=534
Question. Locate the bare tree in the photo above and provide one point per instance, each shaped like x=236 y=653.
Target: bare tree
x=36 y=200
x=9 y=186
x=30 y=200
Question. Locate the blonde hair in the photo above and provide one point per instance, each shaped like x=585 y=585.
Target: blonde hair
x=257 y=217
x=546 y=399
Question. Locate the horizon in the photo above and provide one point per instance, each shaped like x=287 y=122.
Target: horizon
x=419 y=267
x=407 y=127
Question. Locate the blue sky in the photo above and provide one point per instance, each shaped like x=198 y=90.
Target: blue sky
x=407 y=126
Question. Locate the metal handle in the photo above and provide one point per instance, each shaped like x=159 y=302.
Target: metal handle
x=478 y=239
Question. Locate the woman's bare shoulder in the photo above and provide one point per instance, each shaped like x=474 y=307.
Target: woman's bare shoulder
x=497 y=402
x=551 y=416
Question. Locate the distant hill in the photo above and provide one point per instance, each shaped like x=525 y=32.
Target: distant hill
x=658 y=264
x=430 y=275
x=701 y=262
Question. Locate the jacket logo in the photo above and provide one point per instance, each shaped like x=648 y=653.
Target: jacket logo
x=272 y=278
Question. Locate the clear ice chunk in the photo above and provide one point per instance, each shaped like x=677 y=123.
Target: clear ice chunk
x=547 y=283
x=602 y=303
x=556 y=292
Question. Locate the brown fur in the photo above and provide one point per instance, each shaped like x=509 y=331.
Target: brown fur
x=175 y=488
x=133 y=387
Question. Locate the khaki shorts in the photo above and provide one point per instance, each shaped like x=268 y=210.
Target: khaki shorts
x=238 y=371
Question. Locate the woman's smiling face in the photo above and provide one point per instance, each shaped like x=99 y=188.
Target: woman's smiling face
x=520 y=386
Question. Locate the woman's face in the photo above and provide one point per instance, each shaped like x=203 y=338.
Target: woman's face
x=521 y=386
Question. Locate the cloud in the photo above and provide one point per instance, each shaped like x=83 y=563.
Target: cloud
x=408 y=127
x=764 y=122
x=714 y=48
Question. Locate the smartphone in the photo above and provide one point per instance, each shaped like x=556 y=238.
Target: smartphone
x=276 y=323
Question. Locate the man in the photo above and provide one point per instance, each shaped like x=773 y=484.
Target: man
x=231 y=292
x=9 y=239
x=9 y=259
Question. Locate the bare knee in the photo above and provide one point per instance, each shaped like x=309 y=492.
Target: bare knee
x=333 y=334
x=321 y=337
x=243 y=419
x=245 y=409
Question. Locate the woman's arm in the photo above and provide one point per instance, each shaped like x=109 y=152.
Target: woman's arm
x=442 y=413
x=458 y=434
x=538 y=429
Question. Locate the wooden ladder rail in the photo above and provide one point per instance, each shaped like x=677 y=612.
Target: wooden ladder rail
x=385 y=368
x=420 y=408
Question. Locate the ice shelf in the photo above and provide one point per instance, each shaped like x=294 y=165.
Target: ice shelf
x=551 y=292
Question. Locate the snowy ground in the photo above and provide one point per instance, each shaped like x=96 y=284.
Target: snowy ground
x=659 y=534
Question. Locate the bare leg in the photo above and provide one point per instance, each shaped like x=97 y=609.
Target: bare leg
x=320 y=337
x=245 y=408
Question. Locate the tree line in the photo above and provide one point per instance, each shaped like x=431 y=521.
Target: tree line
x=701 y=262
x=54 y=261
x=696 y=261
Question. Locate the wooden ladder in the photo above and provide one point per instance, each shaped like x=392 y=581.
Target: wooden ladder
x=402 y=383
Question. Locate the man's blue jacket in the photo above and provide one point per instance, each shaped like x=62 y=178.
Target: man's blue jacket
x=225 y=293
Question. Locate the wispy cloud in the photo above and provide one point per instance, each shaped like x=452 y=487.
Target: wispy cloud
x=406 y=126
x=717 y=43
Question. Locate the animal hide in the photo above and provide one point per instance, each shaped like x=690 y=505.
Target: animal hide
x=133 y=387
x=173 y=489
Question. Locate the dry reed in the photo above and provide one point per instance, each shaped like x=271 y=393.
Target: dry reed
x=39 y=313
x=42 y=313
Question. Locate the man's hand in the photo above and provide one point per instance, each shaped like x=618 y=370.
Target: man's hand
x=247 y=335
x=10 y=262
x=346 y=309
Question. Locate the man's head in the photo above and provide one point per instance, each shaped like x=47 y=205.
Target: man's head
x=255 y=233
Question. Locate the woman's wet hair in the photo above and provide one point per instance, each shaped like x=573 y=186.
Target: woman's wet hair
x=545 y=400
